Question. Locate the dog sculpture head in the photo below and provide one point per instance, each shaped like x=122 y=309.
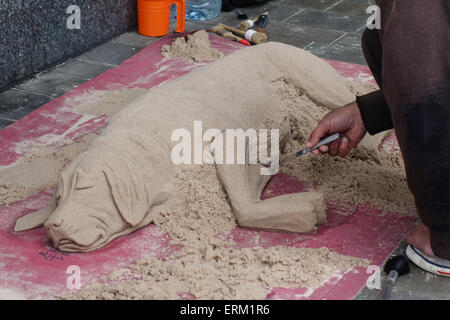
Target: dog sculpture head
x=106 y=192
x=100 y=195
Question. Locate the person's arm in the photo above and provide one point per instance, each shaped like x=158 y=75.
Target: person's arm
x=375 y=112
x=370 y=113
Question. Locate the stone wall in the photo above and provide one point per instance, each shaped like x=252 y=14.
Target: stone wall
x=34 y=33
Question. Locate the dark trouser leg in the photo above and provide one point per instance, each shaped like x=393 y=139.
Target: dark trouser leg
x=374 y=109
x=372 y=52
x=422 y=129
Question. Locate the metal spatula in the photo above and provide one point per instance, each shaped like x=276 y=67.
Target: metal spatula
x=306 y=150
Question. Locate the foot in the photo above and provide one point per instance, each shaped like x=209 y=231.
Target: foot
x=419 y=237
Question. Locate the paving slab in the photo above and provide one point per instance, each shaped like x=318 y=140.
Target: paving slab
x=288 y=38
x=134 y=39
x=350 y=39
x=4 y=123
x=52 y=84
x=85 y=69
x=339 y=51
x=327 y=20
x=304 y=32
x=16 y=114
x=368 y=2
x=352 y=7
x=278 y=12
x=111 y=52
x=310 y=4
x=14 y=98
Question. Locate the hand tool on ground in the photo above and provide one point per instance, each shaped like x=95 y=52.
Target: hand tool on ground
x=249 y=23
x=306 y=150
x=240 y=14
x=261 y=23
x=229 y=35
x=263 y=20
x=395 y=267
x=250 y=35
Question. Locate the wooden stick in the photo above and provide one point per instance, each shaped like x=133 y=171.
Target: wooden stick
x=250 y=35
x=245 y=25
x=224 y=33
x=234 y=30
x=229 y=35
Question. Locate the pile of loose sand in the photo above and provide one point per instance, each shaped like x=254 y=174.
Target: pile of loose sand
x=196 y=48
x=365 y=175
x=208 y=265
x=37 y=170
x=221 y=273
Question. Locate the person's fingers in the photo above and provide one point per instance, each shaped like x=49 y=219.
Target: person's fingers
x=318 y=133
x=334 y=147
x=321 y=149
x=344 y=147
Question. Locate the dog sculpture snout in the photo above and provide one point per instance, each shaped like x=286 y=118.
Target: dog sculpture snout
x=87 y=230
x=55 y=229
x=54 y=223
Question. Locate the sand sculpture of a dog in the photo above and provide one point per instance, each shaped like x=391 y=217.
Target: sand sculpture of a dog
x=124 y=178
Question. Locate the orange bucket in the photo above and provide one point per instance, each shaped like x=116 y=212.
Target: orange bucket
x=154 y=16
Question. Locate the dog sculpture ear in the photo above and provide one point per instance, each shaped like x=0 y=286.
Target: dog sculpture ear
x=35 y=219
x=128 y=192
x=38 y=218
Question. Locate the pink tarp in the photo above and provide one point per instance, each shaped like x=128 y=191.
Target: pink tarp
x=31 y=268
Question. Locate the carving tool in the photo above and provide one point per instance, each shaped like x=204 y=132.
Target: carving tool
x=261 y=23
x=263 y=20
x=395 y=267
x=306 y=150
x=249 y=23
x=240 y=14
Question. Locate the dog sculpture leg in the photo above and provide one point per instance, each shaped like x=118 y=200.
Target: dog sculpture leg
x=299 y=212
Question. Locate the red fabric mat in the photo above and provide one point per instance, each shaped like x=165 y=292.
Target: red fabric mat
x=31 y=268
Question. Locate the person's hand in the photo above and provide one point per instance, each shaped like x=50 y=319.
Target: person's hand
x=348 y=122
